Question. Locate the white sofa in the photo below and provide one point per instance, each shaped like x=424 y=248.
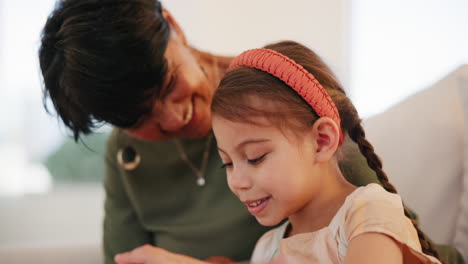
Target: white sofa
x=423 y=142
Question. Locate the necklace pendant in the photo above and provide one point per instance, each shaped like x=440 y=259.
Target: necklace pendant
x=201 y=181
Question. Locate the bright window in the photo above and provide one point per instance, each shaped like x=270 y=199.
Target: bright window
x=400 y=47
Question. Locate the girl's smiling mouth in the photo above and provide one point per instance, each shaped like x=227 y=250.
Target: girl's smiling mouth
x=257 y=206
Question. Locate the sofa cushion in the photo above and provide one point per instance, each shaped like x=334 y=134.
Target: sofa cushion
x=422 y=142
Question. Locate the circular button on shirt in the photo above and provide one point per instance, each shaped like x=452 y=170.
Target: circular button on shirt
x=128 y=158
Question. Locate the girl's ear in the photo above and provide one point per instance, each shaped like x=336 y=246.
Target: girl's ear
x=175 y=28
x=327 y=137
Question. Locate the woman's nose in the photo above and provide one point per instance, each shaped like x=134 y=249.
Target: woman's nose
x=173 y=116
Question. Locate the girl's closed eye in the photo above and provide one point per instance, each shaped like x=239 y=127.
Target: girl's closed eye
x=254 y=161
x=257 y=160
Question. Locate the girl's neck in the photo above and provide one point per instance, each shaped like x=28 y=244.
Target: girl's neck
x=318 y=213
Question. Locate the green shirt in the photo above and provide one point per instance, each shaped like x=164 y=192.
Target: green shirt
x=160 y=203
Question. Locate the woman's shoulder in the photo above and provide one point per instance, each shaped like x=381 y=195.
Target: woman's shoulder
x=133 y=156
x=119 y=138
x=129 y=154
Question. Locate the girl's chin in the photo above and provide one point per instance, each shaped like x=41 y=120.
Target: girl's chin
x=267 y=222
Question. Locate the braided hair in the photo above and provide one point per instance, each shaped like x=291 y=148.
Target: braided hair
x=232 y=95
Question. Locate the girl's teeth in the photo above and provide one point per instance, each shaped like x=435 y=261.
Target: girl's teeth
x=256 y=203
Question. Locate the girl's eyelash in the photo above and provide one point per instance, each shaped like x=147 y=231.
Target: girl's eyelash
x=257 y=160
x=251 y=161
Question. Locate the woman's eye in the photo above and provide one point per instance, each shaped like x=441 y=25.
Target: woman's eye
x=169 y=87
x=226 y=165
x=257 y=160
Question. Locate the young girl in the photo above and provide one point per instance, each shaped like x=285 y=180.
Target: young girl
x=280 y=117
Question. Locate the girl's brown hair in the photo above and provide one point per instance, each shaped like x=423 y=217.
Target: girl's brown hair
x=283 y=107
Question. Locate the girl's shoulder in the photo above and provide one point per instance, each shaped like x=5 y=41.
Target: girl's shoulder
x=372 y=209
x=368 y=205
x=371 y=200
x=370 y=193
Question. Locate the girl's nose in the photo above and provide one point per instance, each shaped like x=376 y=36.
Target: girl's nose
x=239 y=180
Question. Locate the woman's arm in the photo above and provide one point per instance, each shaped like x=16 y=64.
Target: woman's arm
x=373 y=248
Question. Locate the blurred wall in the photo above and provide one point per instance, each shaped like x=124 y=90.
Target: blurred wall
x=230 y=27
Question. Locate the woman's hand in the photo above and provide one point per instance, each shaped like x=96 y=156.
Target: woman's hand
x=148 y=254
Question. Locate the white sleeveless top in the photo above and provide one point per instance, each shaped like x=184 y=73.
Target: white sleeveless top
x=367 y=209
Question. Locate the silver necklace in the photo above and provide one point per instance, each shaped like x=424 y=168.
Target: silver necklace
x=200 y=173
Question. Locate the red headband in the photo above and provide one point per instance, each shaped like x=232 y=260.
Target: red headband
x=295 y=76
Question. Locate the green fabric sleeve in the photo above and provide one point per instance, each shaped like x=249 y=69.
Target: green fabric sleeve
x=449 y=255
x=354 y=165
x=122 y=230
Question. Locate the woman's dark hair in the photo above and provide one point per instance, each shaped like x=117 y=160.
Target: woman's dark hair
x=103 y=61
x=283 y=107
